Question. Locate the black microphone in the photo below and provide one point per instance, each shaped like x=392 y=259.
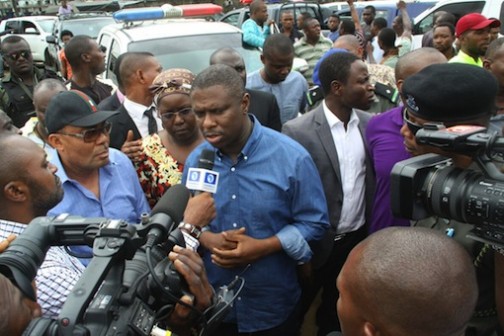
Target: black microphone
x=206 y=161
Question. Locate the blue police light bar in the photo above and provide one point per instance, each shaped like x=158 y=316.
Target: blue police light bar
x=165 y=11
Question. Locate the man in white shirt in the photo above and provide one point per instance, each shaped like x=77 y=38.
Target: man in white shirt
x=137 y=116
x=333 y=135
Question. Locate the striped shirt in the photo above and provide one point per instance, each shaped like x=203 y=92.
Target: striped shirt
x=311 y=54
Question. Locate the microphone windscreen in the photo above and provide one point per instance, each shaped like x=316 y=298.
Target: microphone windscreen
x=173 y=202
x=206 y=159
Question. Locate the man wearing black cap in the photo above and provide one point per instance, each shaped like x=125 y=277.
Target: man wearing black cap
x=466 y=96
x=473 y=32
x=98 y=181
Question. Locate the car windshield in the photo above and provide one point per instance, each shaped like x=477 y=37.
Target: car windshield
x=46 y=25
x=90 y=27
x=193 y=52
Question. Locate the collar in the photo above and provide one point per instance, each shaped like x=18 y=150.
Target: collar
x=10 y=227
x=332 y=120
x=62 y=172
x=469 y=59
x=134 y=109
x=252 y=141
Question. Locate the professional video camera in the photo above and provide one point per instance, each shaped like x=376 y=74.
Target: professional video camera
x=128 y=286
x=430 y=184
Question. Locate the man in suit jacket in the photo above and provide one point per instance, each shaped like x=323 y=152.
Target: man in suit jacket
x=262 y=104
x=131 y=124
x=333 y=134
x=115 y=101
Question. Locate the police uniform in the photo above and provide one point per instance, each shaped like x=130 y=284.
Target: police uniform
x=16 y=98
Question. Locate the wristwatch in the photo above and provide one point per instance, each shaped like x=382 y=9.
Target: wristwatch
x=192 y=230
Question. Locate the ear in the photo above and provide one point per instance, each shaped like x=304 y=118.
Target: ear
x=16 y=191
x=245 y=103
x=487 y=63
x=85 y=58
x=336 y=87
x=262 y=58
x=399 y=84
x=140 y=76
x=370 y=330
x=55 y=141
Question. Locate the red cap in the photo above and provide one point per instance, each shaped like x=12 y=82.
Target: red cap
x=474 y=21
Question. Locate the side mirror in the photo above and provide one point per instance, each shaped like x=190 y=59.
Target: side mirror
x=50 y=39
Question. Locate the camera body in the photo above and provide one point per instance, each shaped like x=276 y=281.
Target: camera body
x=431 y=184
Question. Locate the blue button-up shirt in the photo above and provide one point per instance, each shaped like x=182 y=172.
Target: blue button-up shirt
x=121 y=196
x=273 y=189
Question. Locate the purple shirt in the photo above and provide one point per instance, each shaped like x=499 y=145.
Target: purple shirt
x=386 y=145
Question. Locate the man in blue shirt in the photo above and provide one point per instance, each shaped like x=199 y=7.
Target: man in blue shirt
x=270 y=205
x=98 y=181
x=276 y=77
x=254 y=31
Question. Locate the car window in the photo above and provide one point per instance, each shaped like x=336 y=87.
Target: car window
x=46 y=25
x=232 y=19
x=193 y=52
x=90 y=27
x=29 y=28
x=457 y=9
x=115 y=51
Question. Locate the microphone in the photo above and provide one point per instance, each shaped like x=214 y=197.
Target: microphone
x=203 y=178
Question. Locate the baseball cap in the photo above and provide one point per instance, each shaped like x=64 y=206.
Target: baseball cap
x=474 y=21
x=450 y=92
x=73 y=108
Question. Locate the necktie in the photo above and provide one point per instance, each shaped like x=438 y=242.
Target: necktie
x=152 y=125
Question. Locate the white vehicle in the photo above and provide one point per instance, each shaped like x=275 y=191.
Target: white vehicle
x=184 y=43
x=33 y=29
x=424 y=21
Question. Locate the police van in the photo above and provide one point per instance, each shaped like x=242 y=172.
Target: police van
x=175 y=39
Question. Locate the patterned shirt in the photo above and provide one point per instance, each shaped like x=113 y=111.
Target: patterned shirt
x=56 y=276
x=311 y=54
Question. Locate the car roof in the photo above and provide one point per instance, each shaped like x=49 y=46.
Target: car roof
x=171 y=28
x=34 y=18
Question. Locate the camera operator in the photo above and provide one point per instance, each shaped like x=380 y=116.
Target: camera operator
x=455 y=94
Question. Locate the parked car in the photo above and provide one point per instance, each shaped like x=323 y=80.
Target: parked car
x=176 y=43
x=89 y=23
x=424 y=21
x=33 y=29
x=388 y=9
x=238 y=16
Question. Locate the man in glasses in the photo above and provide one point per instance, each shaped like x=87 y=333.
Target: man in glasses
x=465 y=96
x=98 y=181
x=87 y=60
x=16 y=88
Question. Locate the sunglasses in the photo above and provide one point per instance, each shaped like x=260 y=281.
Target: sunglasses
x=92 y=134
x=170 y=115
x=412 y=126
x=15 y=55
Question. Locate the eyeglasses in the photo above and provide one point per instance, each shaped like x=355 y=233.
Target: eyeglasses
x=412 y=126
x=92 y=134
x=170 y=115
x=15 y=55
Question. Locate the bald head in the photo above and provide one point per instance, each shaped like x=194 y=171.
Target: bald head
x=15 y=151
x=232 y=58
x=409 y=281
x=42 y=94
x=350 y=43
x=130 y=64
x=415 y=61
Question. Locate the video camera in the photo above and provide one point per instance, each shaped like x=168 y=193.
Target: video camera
x=128 y=286
x=430 y=184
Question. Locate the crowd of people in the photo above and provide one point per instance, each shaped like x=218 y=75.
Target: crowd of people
x=303 y=204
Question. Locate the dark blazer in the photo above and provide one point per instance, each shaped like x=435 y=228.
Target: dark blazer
x=121 y=124
x=111 y=103
x=265 y=108
x=312 y=131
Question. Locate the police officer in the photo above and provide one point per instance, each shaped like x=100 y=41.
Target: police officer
x=16 y=88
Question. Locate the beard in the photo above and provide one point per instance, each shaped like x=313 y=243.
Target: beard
x=44 y=199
